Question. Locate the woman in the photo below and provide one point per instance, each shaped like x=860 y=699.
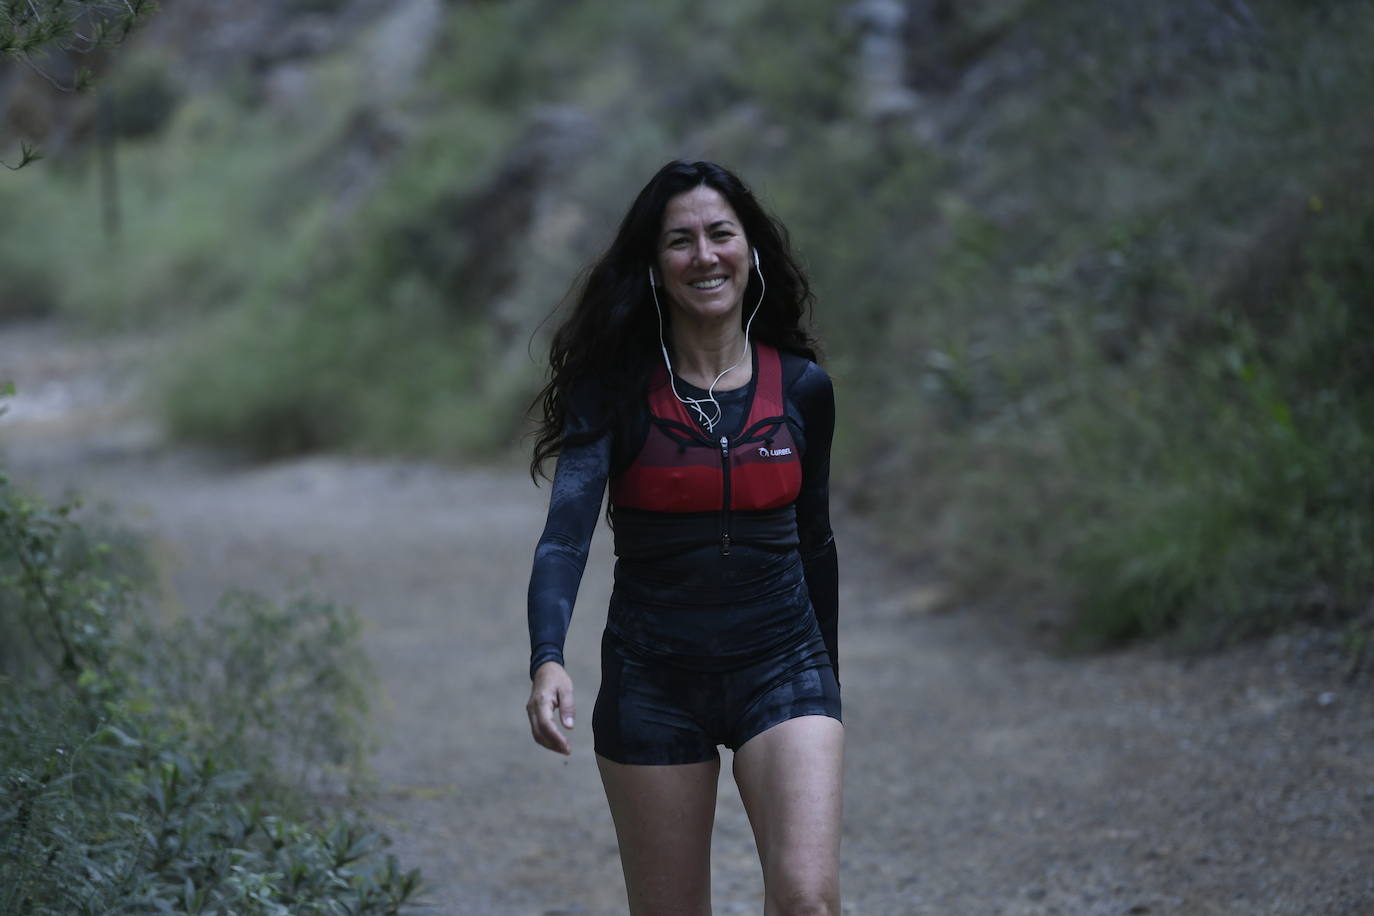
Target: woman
x=685 y=379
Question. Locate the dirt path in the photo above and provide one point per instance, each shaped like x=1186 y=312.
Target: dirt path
x=984 y=776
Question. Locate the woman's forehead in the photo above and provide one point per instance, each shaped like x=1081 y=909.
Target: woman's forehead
x=701 y=206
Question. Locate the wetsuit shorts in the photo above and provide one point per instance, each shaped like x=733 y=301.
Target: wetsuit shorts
x=650 y=711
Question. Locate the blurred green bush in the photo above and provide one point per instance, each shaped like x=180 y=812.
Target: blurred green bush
x=141 y=97
x=164 y=770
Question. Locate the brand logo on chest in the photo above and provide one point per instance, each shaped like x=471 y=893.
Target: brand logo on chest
x=773 y=452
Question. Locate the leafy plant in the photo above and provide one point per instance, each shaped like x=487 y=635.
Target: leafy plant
x=144 y=770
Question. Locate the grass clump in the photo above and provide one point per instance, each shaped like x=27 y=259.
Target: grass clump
x=147 y=769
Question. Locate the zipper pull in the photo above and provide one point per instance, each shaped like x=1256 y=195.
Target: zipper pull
x=725 y=545
x=724 y=447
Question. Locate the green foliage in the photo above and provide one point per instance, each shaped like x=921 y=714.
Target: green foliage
x=33 y=31
x=155 y=770
x=1238 y=504
x=30 y=30
x=53 y=589
x=239 y=677
x=388 y=373
x=652 y=62
x=102 y=818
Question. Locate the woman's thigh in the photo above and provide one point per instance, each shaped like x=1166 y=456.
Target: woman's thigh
x=663 y=818
x=789 y=778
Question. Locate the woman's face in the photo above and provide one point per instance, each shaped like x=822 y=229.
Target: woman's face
x=703 y=256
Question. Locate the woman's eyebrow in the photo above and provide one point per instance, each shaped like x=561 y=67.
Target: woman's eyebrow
x=687 y=230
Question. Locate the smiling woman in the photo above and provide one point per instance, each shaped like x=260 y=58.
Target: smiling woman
x=712 y=429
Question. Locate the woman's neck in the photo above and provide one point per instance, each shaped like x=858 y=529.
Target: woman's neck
x=700 y=355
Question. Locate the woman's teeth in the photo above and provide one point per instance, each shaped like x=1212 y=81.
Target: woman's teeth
x=707 y=284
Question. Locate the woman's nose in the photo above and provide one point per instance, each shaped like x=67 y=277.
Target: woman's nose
x=703 y=252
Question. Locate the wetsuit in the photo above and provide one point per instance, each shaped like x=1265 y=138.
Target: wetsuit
x=722 y=622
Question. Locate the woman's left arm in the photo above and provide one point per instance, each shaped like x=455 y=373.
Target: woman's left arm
x=813 y=397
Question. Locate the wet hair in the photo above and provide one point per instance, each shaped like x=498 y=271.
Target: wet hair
x=610 y=339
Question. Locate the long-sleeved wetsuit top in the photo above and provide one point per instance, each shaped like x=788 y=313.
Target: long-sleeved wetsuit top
x=677 y=596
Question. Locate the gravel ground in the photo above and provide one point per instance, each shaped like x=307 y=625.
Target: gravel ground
x=984 y=774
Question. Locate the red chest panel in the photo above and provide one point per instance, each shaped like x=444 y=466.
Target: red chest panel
x=682 y=469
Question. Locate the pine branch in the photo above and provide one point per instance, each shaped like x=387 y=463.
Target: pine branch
x=27 y=154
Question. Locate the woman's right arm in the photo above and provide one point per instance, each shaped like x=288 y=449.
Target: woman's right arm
x=559 y=559
x=561 y=555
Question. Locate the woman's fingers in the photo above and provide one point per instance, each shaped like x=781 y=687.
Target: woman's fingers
x=565 y=703
x=543 y=728
x=550 y=697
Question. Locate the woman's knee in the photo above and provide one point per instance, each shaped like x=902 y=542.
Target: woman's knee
x=802 y=895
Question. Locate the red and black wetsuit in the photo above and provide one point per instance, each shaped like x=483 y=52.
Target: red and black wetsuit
x=723 y=618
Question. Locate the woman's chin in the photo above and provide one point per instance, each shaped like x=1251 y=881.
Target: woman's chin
x=707 y=311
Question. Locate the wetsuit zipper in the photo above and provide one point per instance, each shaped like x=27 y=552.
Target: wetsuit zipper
x=725 y=497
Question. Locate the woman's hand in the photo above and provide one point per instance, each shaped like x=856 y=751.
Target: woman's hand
x=551 y=697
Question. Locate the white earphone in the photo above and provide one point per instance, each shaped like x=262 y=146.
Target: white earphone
x=708 y=420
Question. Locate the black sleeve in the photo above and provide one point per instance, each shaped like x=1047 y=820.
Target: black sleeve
x=561 y=555
x=812 y=398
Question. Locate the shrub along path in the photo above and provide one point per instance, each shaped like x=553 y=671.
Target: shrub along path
x=984 y=774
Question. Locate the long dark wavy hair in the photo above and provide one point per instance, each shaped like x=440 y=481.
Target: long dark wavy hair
x=611 y=337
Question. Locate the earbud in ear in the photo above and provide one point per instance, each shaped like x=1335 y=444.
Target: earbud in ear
x=756 y=261
x=653 y=278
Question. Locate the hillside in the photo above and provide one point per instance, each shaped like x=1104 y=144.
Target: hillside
x=1093 y=277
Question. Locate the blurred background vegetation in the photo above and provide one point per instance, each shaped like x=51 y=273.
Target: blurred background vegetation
x=174 y=766
x=1095 y=278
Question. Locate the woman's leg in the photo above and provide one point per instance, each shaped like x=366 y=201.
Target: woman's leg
x=663 y=818
x=789 y=779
